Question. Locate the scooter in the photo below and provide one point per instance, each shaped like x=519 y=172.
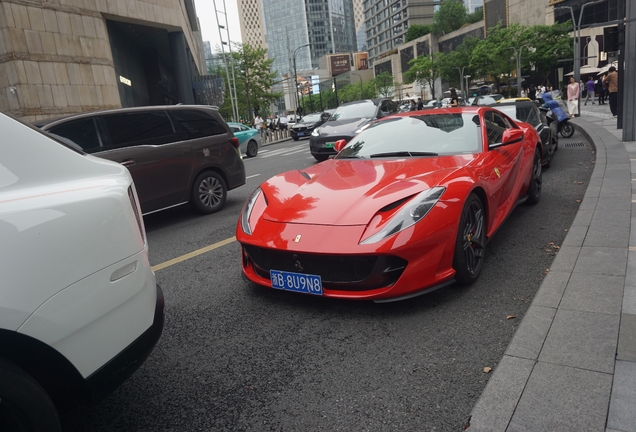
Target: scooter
x=563 y=120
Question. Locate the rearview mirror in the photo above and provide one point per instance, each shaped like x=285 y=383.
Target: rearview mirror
x=324 y=117
x=339 y=145
x=511 y=136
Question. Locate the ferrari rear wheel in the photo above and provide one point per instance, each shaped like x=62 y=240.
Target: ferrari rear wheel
x=470 y=246
x=534 y=190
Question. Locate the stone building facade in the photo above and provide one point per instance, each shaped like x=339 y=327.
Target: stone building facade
x=67 y=56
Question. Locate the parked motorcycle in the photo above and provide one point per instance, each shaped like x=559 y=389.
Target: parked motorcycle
x=563 y=120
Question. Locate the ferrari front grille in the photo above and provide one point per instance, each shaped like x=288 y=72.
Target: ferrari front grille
x=341 y=272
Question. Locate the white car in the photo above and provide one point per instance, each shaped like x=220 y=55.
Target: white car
x=79 y=306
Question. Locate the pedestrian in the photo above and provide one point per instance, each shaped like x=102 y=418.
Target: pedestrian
x=532 y=92
x=599 y=89
x=413 y=106
x=282 y=122
x=612 y=83
x=420 y=104
x=258 y=124
x=454 y=100
x=574 y=90
x=590 y=90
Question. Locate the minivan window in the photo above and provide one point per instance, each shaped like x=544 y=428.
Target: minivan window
x=138 y=128
x=197 y=124
x=82 y=132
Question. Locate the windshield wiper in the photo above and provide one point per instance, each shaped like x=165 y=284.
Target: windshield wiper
x=403 y=153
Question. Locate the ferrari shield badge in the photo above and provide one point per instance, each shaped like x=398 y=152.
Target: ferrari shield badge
x=297 y=239
x=497 y=172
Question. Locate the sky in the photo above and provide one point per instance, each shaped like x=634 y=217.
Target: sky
x=207 y=20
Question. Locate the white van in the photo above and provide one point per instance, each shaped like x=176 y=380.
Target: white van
x=79 y=306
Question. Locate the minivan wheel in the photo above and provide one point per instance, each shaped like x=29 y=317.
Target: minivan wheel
x=24 y=405
x=209 y=192
x=321 y=157
x=252 y=149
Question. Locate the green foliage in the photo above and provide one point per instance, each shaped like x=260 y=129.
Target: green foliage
x=416 y=31
x=476 y=16
x=550 y=43
x=450 y=16
x=459 y=58
x=254 y=81
x=384 y=84
x=424 y=70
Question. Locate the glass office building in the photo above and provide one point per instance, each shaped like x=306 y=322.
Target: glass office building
x=326 y=26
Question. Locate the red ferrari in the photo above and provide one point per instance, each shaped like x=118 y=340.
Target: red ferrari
x=405 y=207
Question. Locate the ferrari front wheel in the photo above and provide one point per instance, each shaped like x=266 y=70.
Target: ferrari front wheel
x=536 y=183
x=470 y=246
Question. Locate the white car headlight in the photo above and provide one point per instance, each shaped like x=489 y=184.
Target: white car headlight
x=315 y=132
x=247 y=211
x=413 y=212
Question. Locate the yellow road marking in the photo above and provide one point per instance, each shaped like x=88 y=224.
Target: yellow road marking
x=193 y=254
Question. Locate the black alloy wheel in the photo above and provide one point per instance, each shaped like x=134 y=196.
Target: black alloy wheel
x=209 y=192
x=252 y=149
x=470 y=246
x=536 y=180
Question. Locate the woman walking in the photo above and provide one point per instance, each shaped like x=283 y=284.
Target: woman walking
x=574 y=90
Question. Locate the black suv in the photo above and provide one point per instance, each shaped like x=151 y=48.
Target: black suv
x=346 y=122
x=176 y=154
x=308 y=123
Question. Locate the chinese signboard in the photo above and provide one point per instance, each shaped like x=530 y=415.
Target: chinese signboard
x=339 y=64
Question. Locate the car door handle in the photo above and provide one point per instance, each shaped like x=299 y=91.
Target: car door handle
x=128 y=162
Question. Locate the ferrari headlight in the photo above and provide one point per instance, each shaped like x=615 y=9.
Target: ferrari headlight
x=409 y=215
x=315 y=132
x=247 y=211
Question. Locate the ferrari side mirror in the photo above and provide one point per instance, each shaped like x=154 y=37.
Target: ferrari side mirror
x=339 y=145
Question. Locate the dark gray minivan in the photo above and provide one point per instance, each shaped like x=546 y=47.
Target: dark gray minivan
x=176 y=154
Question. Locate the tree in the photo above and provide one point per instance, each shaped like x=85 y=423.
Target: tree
x=384 y=83
x=424 y=70
x=476 y=16
x=550 y=43
x=416 y=30
x=459 y=58
x=450 y=16
x=254 y=81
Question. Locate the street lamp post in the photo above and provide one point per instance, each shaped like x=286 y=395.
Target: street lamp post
x=466 y=76
x=296 y=76
x=359 y=76
x=518 y=64
x=576 y=33
x=461 y=79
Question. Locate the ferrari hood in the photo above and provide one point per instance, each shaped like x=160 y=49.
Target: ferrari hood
x=350 y=192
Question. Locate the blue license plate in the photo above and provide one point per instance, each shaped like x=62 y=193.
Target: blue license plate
x=301 y=134
x=298 y=282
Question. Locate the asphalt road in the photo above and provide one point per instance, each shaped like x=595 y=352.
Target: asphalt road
x=239 y=357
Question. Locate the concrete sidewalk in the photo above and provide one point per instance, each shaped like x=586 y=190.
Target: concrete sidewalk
x=571 y=365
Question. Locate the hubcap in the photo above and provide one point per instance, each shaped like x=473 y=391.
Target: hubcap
x=210 y=192
x=473 y=238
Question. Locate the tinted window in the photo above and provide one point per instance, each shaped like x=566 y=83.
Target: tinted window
x=198 y=124
x=495 y=126
x=81 y=132
x=354 y=111
x=529 y=114
x=138 y=128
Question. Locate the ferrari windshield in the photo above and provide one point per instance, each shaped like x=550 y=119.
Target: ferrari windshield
x=417 y=136
x=364 y=109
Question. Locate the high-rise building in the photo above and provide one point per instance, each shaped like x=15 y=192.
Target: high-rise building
x=361 y=28
x=323 y=26
x=387 y=22
x=252 y=24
